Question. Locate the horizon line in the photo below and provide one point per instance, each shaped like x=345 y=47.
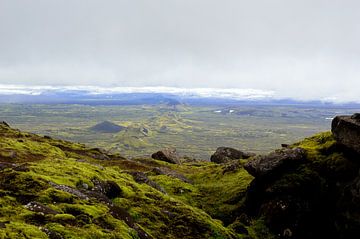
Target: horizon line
x=200 y=92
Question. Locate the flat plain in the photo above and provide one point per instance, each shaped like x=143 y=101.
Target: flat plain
x=195 y=131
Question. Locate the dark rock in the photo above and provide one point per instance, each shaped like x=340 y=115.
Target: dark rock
x=70 y=190
x=346 y=130
x=5 y=124
x=122 y=214
x=3 y=224
x=285 y=145
x=104 y=223
x=22 y=168
x=52 y=234
x=225 y=154
x=270 y=164
x=100 y=156
x=83 y=219
x=109 y=188
x=38 y=207
x=356 y=116
x=233 y=167
x=167 y=155
x=4 y=165
x=159 y=171
x=141 y=177
x=348 y=217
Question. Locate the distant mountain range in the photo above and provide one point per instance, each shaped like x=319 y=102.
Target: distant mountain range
x=91 y=95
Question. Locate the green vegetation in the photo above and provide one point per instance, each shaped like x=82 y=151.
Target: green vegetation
x=195 y=131
x=52 y=188
x=57 y=192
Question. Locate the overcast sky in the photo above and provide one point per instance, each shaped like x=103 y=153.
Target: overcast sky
x=305 y=49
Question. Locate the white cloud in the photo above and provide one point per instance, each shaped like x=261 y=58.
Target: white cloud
x=238 y=94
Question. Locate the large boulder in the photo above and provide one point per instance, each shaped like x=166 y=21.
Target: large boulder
x=168 y=155
x=272 y=163
x=225 y=154
x=346 y=130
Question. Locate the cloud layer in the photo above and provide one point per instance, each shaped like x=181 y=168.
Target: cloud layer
x=237 y=94
x=299 y=49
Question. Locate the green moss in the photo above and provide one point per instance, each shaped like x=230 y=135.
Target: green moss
x=317 y=145
x=176 y=215
x=52 y=195
x=178 y=189
x=64 y=218
x=326 y=159
x=216 y=192
x=17 y=230
x=258 y=230
x=94 y=211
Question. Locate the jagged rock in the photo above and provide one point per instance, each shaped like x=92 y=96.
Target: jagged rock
x=70 y=190
x=346 y=130
x=6 y=124
x=108 y=188
x=269 y=164
x=225 y=154
x=38 y=207
x=167 y=155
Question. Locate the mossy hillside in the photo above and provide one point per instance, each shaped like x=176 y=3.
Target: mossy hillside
x=212 y=187
x=74 y=166
x=201 y=198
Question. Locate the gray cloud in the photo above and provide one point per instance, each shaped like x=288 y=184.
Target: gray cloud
x=302 y=49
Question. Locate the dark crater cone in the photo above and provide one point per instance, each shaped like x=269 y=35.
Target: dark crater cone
x=107 y=127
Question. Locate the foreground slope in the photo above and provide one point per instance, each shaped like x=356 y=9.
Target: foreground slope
x=56 y=189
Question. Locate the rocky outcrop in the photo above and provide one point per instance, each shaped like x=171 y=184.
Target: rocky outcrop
x=109 y=188
x=168 y=155
x=275 y=161
x=38 y=207
x=309 y=189
x=225 y=154
x=346 y=130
